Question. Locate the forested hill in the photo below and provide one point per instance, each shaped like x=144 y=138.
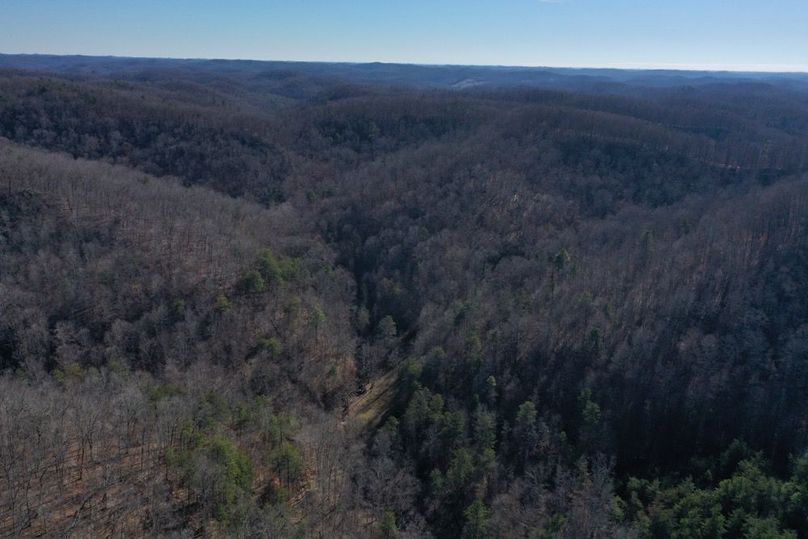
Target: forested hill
x=286 y=76
x=286 y=299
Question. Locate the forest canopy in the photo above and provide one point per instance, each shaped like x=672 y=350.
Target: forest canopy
x=312 y=300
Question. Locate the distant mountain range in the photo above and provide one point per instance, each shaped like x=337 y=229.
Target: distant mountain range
x=423 y=76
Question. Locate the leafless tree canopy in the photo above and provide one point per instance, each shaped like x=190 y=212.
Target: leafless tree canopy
x=291 y=301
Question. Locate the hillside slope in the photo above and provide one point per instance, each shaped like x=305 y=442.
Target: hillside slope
x=366 y=310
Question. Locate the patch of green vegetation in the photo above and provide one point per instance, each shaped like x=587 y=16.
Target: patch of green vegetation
x=252 y=283
x=278 y=269
x=287 y=463
x=749 y=502
x=215 y=470
x=271 y=345
x=222 y=304
x=70 y=373
x=159 y=392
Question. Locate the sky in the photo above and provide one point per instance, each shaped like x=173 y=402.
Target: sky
x=741 y=35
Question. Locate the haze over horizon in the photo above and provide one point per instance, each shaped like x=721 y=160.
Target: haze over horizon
x=628 y=34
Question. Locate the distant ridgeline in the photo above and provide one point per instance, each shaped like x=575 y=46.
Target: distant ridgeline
x=374 y=300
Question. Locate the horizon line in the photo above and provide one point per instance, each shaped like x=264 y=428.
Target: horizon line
x=675 y=67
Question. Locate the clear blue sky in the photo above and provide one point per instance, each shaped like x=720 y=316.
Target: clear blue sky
x=766 y=35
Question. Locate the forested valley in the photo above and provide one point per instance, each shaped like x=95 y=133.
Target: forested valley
x=271 y=300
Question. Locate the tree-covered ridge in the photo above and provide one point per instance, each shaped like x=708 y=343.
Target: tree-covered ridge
x=117 y=261
x=369 y=311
